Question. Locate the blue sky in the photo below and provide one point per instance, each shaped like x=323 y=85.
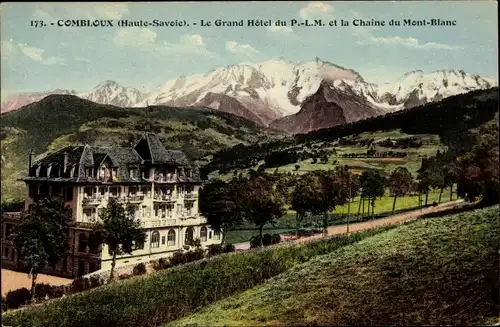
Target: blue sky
x=38 y=59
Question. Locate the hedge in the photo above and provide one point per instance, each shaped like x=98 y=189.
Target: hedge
x=173 y=293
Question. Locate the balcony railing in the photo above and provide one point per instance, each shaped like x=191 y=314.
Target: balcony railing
x=12 y=215
x=192 y=220
x=163 y=197
x=84 y=225
x=134 y=198
x=190 y=196
x=92 y=199
x=165 y=178
x=159 y=223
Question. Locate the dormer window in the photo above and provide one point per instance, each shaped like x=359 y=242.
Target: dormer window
x=133 y=173
x=102 y=172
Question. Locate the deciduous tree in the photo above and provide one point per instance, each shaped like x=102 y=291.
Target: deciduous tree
x=479 y=171
x=218 y=204
x=41 y=238
x=119 y=230
x=373 y=186
x=304 y=197
x=399 y=183
x=259 y=202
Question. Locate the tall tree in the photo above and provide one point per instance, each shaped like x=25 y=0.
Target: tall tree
x=260 y=202
x=333 y=191
x=119 y=230
x=42 y=236
x=451 y=173
x=304 y=196
x=373 y=186
x=424 y=176
x=399 y=183
x=218 y=204
x=479 y=171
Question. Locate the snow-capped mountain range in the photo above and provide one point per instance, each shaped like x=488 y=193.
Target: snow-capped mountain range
x=272 y=90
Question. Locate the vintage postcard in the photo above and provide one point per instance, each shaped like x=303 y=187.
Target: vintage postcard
x=249 y=163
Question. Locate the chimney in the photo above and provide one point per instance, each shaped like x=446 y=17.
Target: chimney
x=65 y=165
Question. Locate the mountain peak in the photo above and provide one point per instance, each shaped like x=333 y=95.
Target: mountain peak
x=107 y=83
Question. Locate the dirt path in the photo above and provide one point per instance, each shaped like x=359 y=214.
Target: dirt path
x=342 y=229
x=400 y=218
x=12 y=280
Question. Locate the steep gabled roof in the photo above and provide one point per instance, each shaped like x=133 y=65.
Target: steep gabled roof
x=148 y=150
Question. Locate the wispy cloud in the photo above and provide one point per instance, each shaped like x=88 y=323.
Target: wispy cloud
x=244 y=49
x=146 y=39
x=280 y=29
x=317 y=10
x=11 y=49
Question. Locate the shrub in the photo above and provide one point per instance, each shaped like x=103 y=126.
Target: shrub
x=95 y=281
x=4 y=304
x=80 y=284
x=214 y=249
x=17 y=298
x=139 y=269
x=57 y=291
x=195 y=255
x=155 y=264
x=41 y=290
x=124 y=276
x=177 y=258
x=164 y=263
x=227 y=248
x=267 y=239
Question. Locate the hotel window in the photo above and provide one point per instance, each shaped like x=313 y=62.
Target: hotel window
x=155 y=239
x=87 y=214
x=139 y=245
x=102 y=172
x=216 y=235
x=82 y=243
x=115 y=191
x=203 y=234
x=68 y=194
x=88 y=192
x=171 y=237
x=189 y=235
x=163 y=240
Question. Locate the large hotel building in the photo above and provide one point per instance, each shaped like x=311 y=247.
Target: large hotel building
x=161 y=184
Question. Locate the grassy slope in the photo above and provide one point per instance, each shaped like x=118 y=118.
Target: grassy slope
x=58 y=121
x=435 y=271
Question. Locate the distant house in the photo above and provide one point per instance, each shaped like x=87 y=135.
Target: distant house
x=161 y=184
